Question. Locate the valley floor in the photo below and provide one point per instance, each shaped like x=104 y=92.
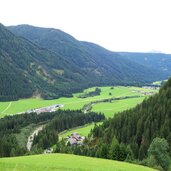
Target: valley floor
x=73 y=103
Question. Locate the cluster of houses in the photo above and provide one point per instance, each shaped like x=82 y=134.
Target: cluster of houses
x=75 y=139
x=143 y=92
x=46 y=109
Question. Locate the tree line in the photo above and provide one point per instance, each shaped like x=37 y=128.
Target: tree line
x=10 y=126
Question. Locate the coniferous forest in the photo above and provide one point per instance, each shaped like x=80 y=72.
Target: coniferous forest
x=55 y=122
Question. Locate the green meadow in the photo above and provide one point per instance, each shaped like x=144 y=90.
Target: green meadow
x=74 y=102
x=65 y=162
x=109 y=109
x=82 y=130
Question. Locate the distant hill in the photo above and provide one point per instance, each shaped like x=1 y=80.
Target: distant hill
x=50 y=63
x=159 y=61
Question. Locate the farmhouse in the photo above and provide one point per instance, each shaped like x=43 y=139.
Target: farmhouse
x=75 y=139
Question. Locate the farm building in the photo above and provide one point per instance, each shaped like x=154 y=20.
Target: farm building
x=75 y=139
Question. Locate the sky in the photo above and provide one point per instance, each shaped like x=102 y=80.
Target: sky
x=118 y=25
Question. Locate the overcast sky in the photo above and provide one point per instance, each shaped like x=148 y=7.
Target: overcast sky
x=118 y=25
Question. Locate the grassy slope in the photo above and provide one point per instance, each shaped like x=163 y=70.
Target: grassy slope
x=109 y=109
x=65 y=162
x=82 y=130
x=69 y=103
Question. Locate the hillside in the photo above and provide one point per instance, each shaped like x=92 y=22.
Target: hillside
x=27 y=70
x=135 y=129
x=104 y=66
x=64 y=162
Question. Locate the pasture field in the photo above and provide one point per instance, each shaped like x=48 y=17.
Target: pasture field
x=72 y=103
x=66 y=162
x=157 y=83
x=82 y=130
x=109 y=109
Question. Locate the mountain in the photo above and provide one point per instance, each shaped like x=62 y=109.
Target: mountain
x=49 y=63
x=96 y=61
x=27 y=69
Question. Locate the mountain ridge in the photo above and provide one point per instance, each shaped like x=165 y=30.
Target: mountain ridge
x=60 y=65
x=81 y=53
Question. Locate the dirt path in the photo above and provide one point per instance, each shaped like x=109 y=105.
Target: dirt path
x=31 y=137
x=7 y=107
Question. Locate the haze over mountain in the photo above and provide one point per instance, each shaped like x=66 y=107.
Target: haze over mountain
x=52 y=63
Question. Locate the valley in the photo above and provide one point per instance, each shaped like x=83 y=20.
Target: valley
x=74 y=103
x=103 y=109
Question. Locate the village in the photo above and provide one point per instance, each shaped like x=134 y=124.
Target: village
x=52 y=108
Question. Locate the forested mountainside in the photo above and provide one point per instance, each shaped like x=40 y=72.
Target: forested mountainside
x=86 y=54
x=135 y=129
x=97 y=62
x=27 y=69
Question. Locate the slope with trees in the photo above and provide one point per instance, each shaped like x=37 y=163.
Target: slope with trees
x=141 y=134
x=54 y=122
x=27 y=70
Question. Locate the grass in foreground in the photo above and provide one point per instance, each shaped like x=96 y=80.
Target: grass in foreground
x=65 y=162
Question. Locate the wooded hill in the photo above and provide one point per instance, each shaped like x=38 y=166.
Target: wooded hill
x=136 y=128
x=12 y=141
x=140 y=135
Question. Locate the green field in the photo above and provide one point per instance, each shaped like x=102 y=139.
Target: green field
x=82 y=130
x=74 y=102
x=109 y=109
x=157 y=83
x=65 y=162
